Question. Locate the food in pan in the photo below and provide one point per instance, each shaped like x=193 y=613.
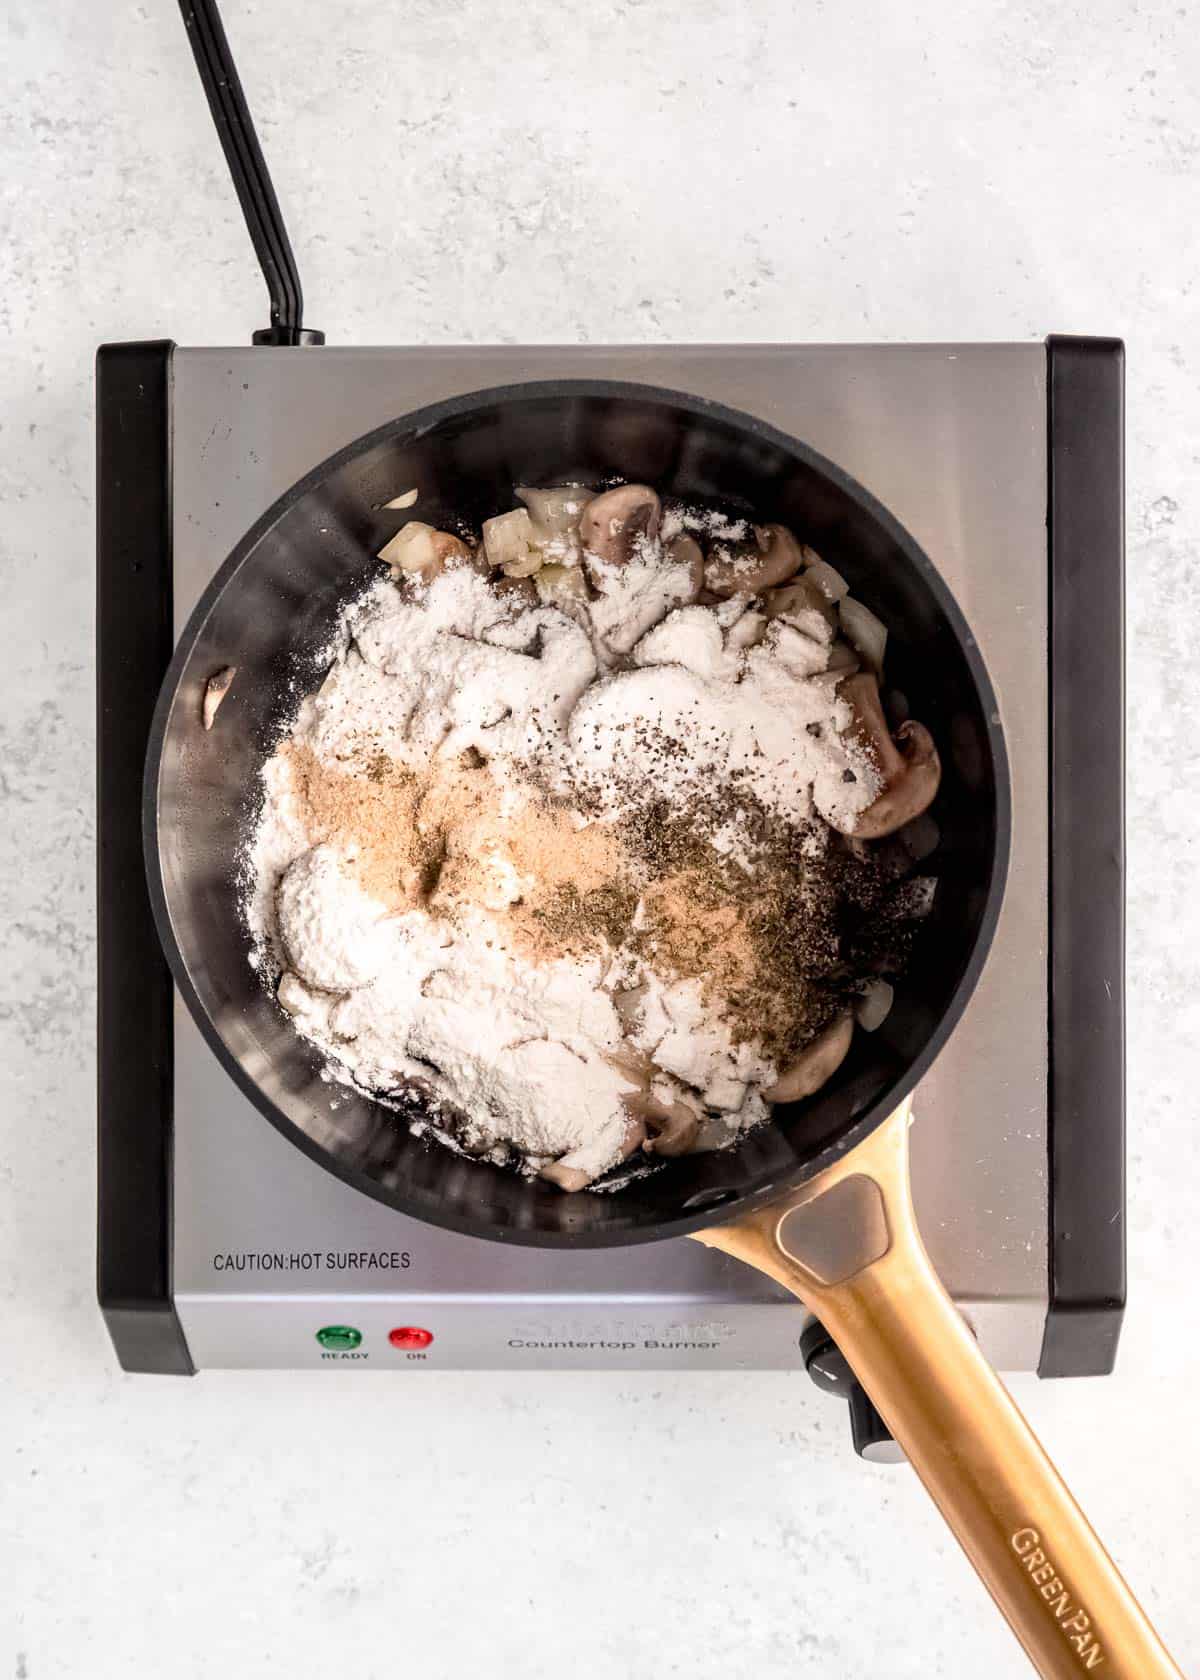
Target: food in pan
x=597 y=840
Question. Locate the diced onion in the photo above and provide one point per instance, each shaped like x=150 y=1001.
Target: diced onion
x=863 y=631
x=831 y=583
x=874 y=1005
x=404 y=501
x=510 y=543
x=555 y=512
x=558 y=586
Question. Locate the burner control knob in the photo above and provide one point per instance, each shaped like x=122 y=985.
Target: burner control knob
x=871 y=1436
x=826 y=1366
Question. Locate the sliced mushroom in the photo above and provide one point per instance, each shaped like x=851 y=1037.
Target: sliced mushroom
x=843 y=659
x=828 y=580
x=798 y=598
x=749 y=568
x=567 y=1178
x=874 y=1004
x=815 y=1065
x=632 y=1064
x=635 y=1136
x=419 y=549
x=610 y=525
x=779 y=537
x=908 y=762
x=684 y=550
x=673 y=1126
x=866 y=634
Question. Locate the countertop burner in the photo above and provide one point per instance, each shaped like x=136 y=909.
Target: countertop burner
x=222 y=1245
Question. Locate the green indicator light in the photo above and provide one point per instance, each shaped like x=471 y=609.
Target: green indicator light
x=339 y=1338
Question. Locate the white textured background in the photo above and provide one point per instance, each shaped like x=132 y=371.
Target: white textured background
x=565 y=170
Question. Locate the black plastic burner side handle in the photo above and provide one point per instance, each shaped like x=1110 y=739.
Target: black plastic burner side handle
x=1085 y=527
x=135 y=1074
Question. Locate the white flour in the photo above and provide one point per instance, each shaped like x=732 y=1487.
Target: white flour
x=452 y=670
x=635 y=596
x=515 y=1052
x=519 y=1053
x=708 y=522
x=754 y=732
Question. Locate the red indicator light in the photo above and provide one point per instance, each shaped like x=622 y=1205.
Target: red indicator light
x=409 y=1337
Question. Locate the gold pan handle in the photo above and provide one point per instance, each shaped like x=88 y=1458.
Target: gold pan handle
x=847 y=1244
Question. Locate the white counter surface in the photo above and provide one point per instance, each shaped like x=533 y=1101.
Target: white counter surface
x=513 y=171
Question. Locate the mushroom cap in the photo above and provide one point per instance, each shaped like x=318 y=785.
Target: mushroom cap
x=910 y=790
x=749 y=568
x=449 y=547
x=815 y=1065
x=610 y=525
x=673 y=1126
x=797 y=596
x=635 y=1136
x=860 y=691
x=907 y=761
x=684 y=550
x=419 y=550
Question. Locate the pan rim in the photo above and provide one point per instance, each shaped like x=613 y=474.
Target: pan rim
x=418 y=422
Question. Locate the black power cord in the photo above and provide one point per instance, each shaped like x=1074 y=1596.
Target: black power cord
x=239 y=142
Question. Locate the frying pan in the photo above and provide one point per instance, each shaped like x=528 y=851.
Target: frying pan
x=819 y=1199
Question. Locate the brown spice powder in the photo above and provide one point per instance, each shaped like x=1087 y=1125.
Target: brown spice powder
x=451 y=836
x=765 y=946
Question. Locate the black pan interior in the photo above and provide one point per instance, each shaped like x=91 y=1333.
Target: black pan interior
x=273 y=603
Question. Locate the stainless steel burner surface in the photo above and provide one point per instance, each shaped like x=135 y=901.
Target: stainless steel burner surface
x=953 y=440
